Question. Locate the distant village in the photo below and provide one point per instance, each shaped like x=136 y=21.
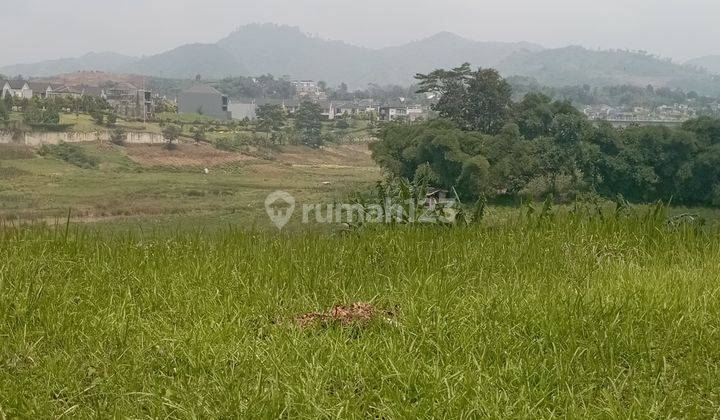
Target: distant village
x=664 y=114
x=127 y=99
x=206 y=100
x=132 y=101
x=203 y=99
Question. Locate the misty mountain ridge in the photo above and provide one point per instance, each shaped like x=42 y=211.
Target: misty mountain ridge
x=103 y=61
x=710 y=63
x=286 y=51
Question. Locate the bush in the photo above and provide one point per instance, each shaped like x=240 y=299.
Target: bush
x=118 y=136
x=171 y=133
x=98 y=116
x=342 y=124
x=240 y=142
x=70 y=153
x=111 y=119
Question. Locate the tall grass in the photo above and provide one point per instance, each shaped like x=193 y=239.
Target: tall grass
x=569 y=316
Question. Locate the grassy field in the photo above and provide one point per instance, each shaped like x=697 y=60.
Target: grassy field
x=171 y=295
x=149 y=186
x=568 y=317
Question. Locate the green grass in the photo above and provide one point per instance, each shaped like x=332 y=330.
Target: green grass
x=46 y=188
x=572 y=317
x=70 y=153
x=83 y=123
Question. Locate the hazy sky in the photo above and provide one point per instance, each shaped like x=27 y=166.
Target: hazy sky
x=41 y=29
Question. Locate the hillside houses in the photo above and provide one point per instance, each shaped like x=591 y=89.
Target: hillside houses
x=664 y=114
x=125 y=98
x=401 y=111
x=22 y=89
x=243 y=108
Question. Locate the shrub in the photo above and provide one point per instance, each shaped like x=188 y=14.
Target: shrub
x=70 y=153
x=171 y=133
x=118 y=136
x=111 y=119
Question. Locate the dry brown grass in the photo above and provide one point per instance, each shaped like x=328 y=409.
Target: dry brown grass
x=358 y=313
x=347 y=155
x=193 y=155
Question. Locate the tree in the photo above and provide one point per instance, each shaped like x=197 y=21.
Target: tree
x=97 y=115
x=118 y=136
x=4 y=114
x=111 y=119
x=308 y=122
x=489 y=101
x=270 y=117
x=9 y=102
x=171 y=133
x=342 y=124
x=37 y=113
x=436 y=153
x=199 y=134
x=475 y=100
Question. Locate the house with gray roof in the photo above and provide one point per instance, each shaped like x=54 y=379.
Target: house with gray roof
x=41 y=89
x=204 y=100
x=16 y=88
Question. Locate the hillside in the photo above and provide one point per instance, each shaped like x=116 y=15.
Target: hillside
x=105 y=61
x=711 y=63
x=578 y=66
x=282 y=50
x=187 y=61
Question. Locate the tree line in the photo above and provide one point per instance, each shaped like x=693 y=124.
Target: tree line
x=486 y=145
x=621 y=95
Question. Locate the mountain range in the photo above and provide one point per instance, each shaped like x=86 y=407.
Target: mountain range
x=286 y=51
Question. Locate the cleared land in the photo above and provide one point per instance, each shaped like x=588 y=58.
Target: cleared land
x=570 y=317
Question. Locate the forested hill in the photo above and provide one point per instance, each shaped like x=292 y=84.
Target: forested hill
x=579 y=66
x=282 y=50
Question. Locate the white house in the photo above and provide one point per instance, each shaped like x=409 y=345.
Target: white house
x=16 y=89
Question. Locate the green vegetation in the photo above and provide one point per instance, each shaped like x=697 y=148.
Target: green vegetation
x=308 y=123
x=622 y=95
x=239 y=143
x=171 y=133
x=4 y=112
x=118 y=136
x=270 y=118
x=569 y=316
x=146 y=187
x=175 y=297
x=70 y=153
x=167 y=117
x=577 y=66
x=475 y=100
x=489 y=146
x=265 y=86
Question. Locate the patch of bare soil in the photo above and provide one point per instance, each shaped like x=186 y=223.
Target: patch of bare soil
x=346 y=155
x=357 y=313
x=196 y=155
